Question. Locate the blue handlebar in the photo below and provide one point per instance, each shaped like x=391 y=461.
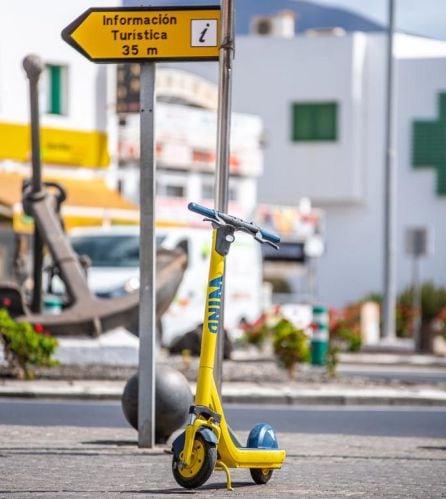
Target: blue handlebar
x=234 y=221
x=201 y=210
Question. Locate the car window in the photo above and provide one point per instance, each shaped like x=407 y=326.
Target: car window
x=108 y=251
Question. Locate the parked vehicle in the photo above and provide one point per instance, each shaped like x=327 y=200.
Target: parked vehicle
x=114 y=271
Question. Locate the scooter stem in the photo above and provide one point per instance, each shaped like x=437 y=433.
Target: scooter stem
x=210 y=325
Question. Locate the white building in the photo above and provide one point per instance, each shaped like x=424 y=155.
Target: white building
x=73 y=96
x=321 y=98
x=78 y=121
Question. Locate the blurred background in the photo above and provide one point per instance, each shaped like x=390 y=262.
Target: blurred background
x=308 y=157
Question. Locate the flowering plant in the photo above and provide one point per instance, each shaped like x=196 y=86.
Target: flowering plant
x=291 y=345
x=345 y=327
x=440 y=321
x=25 y=346
x=257 y=332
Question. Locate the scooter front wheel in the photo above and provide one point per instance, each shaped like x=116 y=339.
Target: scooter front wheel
x=261 y=475
x=203 y=459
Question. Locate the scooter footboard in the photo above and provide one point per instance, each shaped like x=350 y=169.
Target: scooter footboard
x=255 y=458
x=236 y=456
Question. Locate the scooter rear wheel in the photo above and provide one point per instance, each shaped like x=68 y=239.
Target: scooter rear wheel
x=203 y=459
x=261 y=475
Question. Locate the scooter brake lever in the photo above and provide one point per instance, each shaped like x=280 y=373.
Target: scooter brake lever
x=216 y=222
x=258 y=237
x=274 y=245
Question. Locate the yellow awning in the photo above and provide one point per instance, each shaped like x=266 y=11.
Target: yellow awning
x=89 y=202
x=58 y=146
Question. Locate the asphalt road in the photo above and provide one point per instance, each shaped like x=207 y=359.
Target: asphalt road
x=367 y=421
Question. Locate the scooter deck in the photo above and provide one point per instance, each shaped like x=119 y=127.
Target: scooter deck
x=234 y=455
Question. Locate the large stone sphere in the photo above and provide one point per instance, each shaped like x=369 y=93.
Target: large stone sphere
x=173 y=398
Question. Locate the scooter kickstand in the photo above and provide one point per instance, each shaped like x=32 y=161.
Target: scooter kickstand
x=221 y=466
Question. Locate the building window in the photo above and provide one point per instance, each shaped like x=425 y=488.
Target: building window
x=314 y=121
x=170 y=190
x=55 y=91
x=208 y=190
x=174 y=191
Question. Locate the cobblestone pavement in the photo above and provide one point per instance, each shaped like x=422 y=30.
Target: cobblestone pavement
x=103 y=462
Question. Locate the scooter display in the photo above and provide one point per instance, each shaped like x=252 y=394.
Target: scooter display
x=208 y=443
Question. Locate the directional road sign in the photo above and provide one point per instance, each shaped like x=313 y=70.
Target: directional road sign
x=146 y=34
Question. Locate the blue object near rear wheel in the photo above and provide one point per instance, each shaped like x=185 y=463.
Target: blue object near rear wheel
x=262 y=436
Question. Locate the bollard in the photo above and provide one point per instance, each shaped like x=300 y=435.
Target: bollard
x=319 y=338
x=52 y=305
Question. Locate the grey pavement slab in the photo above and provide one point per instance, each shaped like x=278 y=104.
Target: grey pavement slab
x=103 y=462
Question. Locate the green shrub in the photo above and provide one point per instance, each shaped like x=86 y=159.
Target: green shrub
x=25 y=347
x=290 y=345
x=332 y=360
x=441 y=322
x=345 y=327
x=258 y=332
x=433 y=299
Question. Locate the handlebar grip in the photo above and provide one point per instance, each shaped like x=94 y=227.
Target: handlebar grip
x=201 y=210
x=240 y=224
x=270 y=236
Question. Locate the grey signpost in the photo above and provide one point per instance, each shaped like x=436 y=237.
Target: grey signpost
x=147 y=320
x=418 y=244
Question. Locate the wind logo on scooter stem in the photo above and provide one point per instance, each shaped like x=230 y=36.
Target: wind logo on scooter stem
x=214 y=304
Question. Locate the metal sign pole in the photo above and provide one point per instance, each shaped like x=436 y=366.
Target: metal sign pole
x=147 y=252
x=223 y=143
x=389 y=301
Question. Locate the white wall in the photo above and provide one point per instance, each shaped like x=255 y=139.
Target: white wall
x=272 y=73
x=353 y=264
x=420 y=82
x=35 y=27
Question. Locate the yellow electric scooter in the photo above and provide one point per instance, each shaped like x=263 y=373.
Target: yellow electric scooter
x=208 y=444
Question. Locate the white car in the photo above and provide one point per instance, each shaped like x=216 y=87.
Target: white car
x=114 y=271
x=114 y=258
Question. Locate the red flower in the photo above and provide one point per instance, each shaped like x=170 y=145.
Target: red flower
x=38 y=328
x=7 y=302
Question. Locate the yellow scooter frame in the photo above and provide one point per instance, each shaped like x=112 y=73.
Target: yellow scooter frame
x=207 y=416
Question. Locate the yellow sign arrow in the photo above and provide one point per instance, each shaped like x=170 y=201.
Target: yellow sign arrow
x=136 y=34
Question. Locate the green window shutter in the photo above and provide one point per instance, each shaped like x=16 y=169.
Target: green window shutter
x=326 y=122
x=302 y=121
x=314 y=122
x=55 y=90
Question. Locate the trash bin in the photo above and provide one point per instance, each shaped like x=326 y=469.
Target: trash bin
x=320 y=336
x=52 y=305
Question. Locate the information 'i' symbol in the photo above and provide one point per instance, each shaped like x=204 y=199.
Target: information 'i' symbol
x=201 y=39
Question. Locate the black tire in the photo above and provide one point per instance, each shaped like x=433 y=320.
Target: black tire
x=204 y=457
x=261 y=475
